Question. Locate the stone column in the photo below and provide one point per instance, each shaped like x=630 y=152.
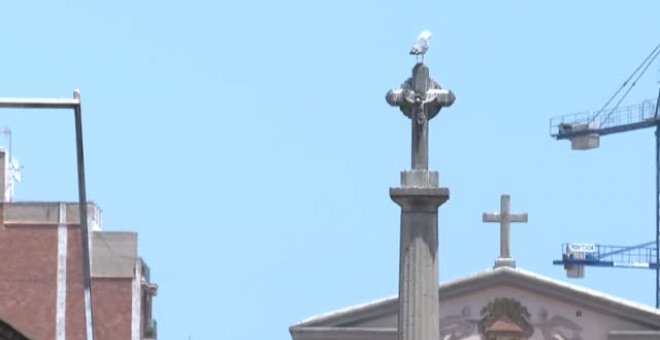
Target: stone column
x=419 y=98
x=418 y=260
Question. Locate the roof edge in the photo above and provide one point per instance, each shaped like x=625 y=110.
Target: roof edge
x=337 y=316
x=342 y=333
x=596 y=300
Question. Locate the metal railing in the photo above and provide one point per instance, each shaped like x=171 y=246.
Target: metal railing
x=642 y=256
x=631 y=115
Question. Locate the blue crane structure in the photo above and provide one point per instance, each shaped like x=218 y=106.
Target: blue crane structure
x=577 y=255
x=584 y=131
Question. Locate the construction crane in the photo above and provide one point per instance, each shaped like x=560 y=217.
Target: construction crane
x=575 y=256
x=584 y=131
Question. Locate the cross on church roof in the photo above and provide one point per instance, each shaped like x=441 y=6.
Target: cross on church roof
x=504 y=218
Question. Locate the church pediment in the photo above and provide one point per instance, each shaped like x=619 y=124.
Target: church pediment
x=499 y=300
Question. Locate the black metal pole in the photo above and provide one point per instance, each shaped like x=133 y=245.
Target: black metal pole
x=84 y=231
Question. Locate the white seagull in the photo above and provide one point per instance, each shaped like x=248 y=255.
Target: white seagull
x=421 y=45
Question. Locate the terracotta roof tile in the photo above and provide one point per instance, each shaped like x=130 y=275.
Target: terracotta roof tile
x=504 y=324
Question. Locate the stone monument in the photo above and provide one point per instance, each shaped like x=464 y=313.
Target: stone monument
x=420 y=98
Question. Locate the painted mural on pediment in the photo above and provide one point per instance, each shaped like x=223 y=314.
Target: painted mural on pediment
x=507 y=318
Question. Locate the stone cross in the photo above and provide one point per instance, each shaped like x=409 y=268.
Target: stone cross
x=504 y=218
x=420 y=98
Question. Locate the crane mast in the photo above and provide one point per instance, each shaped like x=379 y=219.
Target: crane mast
x=584 y=131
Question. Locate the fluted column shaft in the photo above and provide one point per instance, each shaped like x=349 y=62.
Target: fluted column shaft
x=418 y=261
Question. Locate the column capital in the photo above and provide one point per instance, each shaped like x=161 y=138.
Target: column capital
x=419 y=199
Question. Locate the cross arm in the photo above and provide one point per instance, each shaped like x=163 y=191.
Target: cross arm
x=522 y=218
x=492 y=217
x=496 y=217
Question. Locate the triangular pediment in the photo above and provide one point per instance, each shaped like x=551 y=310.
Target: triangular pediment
x=556 y=309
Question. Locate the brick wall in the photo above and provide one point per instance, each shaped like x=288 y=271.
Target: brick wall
x=112 y=308
x=27 y=279
x=28 y=286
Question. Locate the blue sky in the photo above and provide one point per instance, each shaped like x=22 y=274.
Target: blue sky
x=250 y=145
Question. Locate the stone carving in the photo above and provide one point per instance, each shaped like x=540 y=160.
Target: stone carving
x=557 y=327
x=420 y=98
x=512 y=315
x=458 y=327
x=420 y=93
x=505 y=318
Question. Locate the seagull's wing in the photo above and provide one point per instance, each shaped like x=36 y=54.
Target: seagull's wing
x=421 y=45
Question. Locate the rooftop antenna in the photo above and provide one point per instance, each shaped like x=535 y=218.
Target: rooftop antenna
x=12 y=167
x=6 y=131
